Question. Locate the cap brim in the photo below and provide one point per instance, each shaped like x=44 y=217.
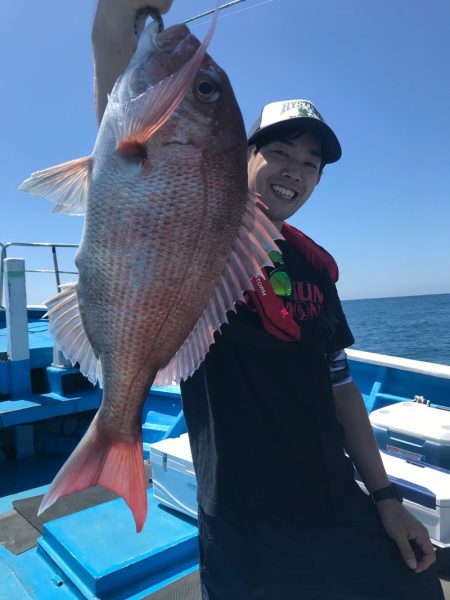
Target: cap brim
x=331 y=148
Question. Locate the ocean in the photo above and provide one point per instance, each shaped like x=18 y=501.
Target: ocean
x=416 y=327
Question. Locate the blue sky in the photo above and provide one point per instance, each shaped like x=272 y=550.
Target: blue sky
x=377 y=70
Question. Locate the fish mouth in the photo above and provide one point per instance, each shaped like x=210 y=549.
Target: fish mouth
x=175 y=143
x=168 y=39
x=283 y=192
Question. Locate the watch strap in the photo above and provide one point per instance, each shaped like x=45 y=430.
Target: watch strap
x=390 y=491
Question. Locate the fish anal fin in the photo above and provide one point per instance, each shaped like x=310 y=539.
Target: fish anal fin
x=99 y=459
x=66 y=326
x=66 y=185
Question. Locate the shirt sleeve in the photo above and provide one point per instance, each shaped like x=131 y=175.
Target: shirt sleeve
x=339 y=368
x=340 y=333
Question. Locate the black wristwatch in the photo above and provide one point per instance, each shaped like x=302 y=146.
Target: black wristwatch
x=390 y=491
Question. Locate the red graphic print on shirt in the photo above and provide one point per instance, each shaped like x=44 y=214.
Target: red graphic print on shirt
x=306 y=302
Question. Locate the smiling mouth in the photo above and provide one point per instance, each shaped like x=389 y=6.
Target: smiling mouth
x=285 y=193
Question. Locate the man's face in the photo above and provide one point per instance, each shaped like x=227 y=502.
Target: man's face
x=285 y=174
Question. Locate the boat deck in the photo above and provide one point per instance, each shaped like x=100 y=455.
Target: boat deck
x=80 y=526
x=78 y=540
x=39 y=341
x=85 y=546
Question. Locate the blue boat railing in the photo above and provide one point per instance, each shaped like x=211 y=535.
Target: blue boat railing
x=56 y=270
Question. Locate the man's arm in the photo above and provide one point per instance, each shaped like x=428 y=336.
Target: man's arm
x=114 y=42
x=362 y=448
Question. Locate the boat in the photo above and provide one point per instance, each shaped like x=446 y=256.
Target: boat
x=85 y=546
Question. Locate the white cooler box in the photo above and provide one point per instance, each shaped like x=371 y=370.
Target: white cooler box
x=426 y=494
x=415 y=431
x=174 y=482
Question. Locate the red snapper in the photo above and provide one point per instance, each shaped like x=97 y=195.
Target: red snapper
x=170 y=242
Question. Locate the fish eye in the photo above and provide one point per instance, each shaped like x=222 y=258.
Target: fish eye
x=206 y=90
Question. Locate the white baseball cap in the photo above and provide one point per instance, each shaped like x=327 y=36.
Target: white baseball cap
x=288 y=115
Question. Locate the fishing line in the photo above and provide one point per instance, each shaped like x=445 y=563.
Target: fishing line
x=228 y=5
x=209 y=12
x=231 y=14
x=143 y=13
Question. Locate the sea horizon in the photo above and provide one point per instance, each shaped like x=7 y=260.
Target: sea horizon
x=397 y=296
x=416 y=327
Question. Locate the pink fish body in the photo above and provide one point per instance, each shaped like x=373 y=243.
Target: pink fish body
x=171 y=240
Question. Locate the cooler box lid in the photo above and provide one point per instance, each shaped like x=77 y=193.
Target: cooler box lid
x=413 y=419
x=420 y=483
x=178 y=450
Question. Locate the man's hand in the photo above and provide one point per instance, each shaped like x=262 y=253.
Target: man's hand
x=161 y=5
x=114 y=17
x=115 y=41
x=408 y=533
x=131 y=6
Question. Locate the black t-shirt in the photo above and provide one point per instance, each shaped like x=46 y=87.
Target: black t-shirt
x=260 y=412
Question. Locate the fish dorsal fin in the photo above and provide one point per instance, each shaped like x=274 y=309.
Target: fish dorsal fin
x=68 y=334
x=66 y=185
x=247 y=258
x=141 y=117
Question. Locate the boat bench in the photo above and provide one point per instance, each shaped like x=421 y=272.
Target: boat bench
x=162 y=412
x=22 y=413
x=45 y=406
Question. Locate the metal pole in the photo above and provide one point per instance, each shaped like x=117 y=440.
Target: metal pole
x=55 y=265
x=17 y=326
x=59 y=360
x=2 y=258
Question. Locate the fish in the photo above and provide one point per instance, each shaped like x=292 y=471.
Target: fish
x=171 y=240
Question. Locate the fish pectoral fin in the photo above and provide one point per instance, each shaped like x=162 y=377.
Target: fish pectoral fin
x=66 y=185
x=141 y=117
x=114 y=464
x=248 y=256
x=68 y=334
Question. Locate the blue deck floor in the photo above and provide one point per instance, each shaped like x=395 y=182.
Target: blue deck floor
x=38 y=335
x=39 y=342
x=27 y=477
x=94 y=553
x=103 y=555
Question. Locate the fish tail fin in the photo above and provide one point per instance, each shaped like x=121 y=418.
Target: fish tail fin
x=116 y=464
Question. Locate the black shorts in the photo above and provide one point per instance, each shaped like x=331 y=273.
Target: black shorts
x=269 y=558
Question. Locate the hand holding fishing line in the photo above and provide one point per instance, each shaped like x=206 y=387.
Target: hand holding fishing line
x=160 y=5
x=145 y=8
x=114 y=35
x=118 y=14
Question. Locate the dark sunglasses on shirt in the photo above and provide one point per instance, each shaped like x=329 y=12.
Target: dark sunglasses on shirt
x=279 y=277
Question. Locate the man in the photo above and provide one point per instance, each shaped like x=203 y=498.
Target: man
x=272 y=407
